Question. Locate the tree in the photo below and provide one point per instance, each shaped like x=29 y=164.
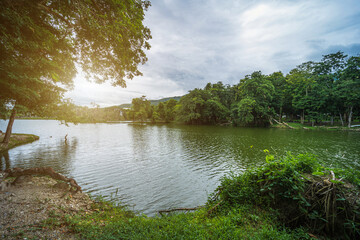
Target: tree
x=348 y=86
x=141 y=108
x=301 y=80
x=280 y=98
x=161 y=110
x=170 y=110
x=255 y=94
x=327 y=73
x=193 y=107
x=43 y=40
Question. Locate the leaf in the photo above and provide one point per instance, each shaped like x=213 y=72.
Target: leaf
x=55 y=77
x=340 y=199
x=271 y=195
x=318 y=173
x=336 y=181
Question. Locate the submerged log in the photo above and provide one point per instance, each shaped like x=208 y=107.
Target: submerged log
x=42 y=171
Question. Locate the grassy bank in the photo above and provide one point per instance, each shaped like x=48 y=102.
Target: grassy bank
x=17 y=140
x=290 y=198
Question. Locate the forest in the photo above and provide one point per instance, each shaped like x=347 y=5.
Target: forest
x=326 y=92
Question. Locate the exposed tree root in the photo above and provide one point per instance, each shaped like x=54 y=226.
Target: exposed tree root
x=42 y=171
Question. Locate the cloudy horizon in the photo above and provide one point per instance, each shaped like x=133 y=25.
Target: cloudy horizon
x=196 y=42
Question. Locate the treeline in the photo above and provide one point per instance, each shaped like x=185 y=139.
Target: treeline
x=314 y=92
x=142 y=110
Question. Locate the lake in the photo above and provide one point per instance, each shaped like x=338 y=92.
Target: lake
x=155 y=167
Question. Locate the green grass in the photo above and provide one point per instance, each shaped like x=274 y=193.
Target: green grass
x=261 y=203
x=243 y=222
x=17 y=140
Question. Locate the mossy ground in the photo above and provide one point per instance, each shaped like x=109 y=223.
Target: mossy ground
x=17 y=140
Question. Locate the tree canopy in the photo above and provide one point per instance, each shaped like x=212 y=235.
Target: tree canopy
x=42 y=42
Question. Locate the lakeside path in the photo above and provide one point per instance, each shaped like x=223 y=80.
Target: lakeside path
x=17 y=139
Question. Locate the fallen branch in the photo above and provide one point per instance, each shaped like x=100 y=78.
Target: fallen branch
x=283 y=123
x=43 y=171
x=214 y=207
x=287 y=125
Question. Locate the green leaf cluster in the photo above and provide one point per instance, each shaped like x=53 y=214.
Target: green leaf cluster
x=301 y=192
x=42 y=42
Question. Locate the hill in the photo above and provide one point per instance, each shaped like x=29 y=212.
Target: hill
x=153 y=102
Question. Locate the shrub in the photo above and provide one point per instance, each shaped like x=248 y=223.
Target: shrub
x=301 y=192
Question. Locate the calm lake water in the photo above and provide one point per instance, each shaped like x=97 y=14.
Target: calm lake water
x=155 y=167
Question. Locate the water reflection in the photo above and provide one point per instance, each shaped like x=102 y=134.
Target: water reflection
x=4 y=156
x=58 y=155
x=156 y=167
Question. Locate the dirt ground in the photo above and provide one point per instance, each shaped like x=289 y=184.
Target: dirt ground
x=26 y=205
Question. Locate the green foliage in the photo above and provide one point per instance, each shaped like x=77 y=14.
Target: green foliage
x=142 y=110
x=206 y=106
x=313 y=91
x=302 y=192
x=255 y=93
x=42 y=41
x=114 y=222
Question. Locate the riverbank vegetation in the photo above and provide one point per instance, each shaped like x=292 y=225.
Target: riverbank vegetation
x=287 y=198
x=317 y=92
x=314 y=93
x=322 y=93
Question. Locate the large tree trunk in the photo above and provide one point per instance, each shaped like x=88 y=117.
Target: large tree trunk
x=4 y=155
x=350 y=116
x=342 y=121
x=280 y=115
x=9 y=127
x=332 y=120
x=302 y=117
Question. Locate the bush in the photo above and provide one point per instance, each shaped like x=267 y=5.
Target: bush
x=301 y=192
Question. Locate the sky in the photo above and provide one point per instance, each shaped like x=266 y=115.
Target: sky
x=199 y=41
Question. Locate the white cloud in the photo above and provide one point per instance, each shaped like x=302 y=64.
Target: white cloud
x=195 y=42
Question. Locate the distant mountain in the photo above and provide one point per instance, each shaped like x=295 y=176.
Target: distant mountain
x=156 y=102
x=125 y=105
x=153 y=102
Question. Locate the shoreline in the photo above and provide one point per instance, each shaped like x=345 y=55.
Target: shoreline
x=299 y=126
x=240 y=208
x=287 y=125
x=17 y=139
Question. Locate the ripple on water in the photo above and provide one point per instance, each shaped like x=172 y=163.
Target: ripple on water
x=158 y=167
